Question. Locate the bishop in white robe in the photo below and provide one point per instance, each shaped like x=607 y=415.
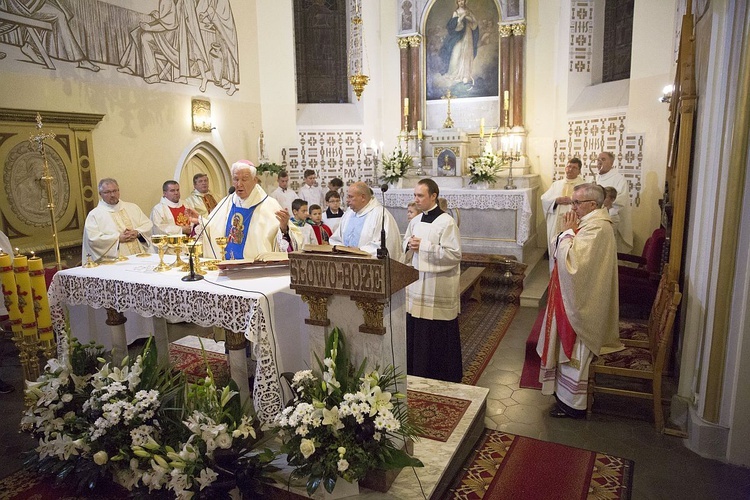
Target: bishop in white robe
x=362 y=222
x=115 y=228
x=582 y=315
x=433 y=301
x=253 y=222
x=556 y=203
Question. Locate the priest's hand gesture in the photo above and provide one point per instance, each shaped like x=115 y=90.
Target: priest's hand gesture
x=570 y=221
x=192 y=215
x=414 y=243
x=283 y=217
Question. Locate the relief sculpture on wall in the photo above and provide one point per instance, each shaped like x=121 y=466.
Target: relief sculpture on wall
x=191 y=42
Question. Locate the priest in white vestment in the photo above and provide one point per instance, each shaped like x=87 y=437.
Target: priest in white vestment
x=115 y=228
x=361 y=224
x=582 y=315
x=201 y=200
x=283 y=193
x=433 y=343
x=607 y=176
x=556 y=203
x=253 y=222
x=169 y=215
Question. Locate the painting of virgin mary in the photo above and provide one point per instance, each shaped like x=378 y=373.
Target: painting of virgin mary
x=462 y=48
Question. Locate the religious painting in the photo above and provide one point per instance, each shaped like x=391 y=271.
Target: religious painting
x=177 y=41
x=461 y=49
x=512 y=10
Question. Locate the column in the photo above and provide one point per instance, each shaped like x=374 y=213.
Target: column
x=517 y=42
x=403 y=45
x=505 y=31
x=415 y=81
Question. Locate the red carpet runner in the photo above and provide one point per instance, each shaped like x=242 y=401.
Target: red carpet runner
x=437 y=415
x=508 y=466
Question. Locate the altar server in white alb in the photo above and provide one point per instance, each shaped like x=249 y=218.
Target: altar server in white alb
x=621 y=207
x=284 y=194
x=115 y=227
x=362 y=223
x=253 y=222
x=168 y=215
x=433 y=343
x=556 y=203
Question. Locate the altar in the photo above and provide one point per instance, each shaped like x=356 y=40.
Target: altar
x=258 y=303
x=491 y=221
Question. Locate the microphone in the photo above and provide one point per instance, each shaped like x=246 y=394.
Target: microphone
x=383 y=250
x=191 y=252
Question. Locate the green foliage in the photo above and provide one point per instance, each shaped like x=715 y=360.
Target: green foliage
x=271 y=168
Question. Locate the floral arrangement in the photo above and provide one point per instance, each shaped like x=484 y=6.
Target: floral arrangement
x=140 y=425
x=271 y=168
x=484 y=168
x=396 y=165
x=343 y=423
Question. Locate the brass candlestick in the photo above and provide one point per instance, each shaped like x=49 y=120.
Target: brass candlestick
x=89 y=262
x=39 y=140
x=160 y=242
x=222 y=242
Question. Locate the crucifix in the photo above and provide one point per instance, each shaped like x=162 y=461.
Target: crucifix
x=448 y=123
x=38 y=141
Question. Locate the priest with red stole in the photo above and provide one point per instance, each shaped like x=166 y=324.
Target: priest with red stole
x=169 y=215
x=582 y=315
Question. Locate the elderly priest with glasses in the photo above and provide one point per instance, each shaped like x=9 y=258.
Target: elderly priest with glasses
x=581 y=320
x=253 y=222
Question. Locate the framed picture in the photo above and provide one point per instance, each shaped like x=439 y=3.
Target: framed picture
x=512 y=10
x=461 y=49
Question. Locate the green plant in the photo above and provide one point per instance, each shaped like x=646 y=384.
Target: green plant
x=271 y=168
x=484 y=168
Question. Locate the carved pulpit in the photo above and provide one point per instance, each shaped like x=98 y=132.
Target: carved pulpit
x=363 y=296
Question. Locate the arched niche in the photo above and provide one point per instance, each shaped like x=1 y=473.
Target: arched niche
x=204 y=157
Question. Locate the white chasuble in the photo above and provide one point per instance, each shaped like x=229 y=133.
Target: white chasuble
x=105 y=223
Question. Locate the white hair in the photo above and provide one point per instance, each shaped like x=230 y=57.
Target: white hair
x=243 y=165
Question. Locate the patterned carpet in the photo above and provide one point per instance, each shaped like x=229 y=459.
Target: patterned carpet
x=508 y=466
x=189 y=360
x=437 y=415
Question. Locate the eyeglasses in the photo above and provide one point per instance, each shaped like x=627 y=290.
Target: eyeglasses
x=111 y=191
x=575 y=203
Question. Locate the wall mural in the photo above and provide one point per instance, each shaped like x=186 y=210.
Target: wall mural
x=462 y=48
x=192 y=42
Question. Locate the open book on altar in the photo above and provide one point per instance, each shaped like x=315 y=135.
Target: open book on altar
x=336 y=249
x=263 y=259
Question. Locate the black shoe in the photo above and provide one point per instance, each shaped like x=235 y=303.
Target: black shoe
x=6 y=388
x=557 y=412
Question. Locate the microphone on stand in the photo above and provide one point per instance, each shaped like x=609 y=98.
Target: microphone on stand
x=191 y=252
x=383 y=250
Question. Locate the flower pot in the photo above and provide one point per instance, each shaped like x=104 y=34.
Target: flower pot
x=343 y=489
x=482 y=185
x=397 y=184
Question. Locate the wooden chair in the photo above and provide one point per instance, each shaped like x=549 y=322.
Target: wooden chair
x=638 y=276
x=634 y=332
x=641 y=363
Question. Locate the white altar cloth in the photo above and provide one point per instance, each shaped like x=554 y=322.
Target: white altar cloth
x=241 y=301
x=518 y=200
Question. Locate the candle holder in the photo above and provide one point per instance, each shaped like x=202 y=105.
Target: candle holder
x=89 y=262
x=419 y=171
x=509 y=157
x=160 y=242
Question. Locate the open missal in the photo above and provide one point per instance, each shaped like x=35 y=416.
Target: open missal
x=262 y=260
x=335 y=249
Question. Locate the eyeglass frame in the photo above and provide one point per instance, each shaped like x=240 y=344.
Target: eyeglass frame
x=111 y=191
x=577 y=203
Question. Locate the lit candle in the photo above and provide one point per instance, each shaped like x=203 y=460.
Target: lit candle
x=419 y=129
x=488 y=147
x=505 y=100
x=41 y=301
x=481 y=128
x=406 y=106
x=10 y=293
x=381 y=149
x=504 y=146
x=25 y=297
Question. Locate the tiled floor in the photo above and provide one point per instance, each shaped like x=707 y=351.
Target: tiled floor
x=664 y=468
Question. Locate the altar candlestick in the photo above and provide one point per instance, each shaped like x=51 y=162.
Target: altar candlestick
x=481 y=128
x=406 y=107
x=505 y=100
x=25 y=298
x=10 y=292
x=419 y=129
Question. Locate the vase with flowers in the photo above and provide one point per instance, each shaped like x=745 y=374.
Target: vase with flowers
x=344 y=423
x=484 y=169
x=395 y=166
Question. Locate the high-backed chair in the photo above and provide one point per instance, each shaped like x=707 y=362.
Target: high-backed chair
x=634 y=332
x=646 y=364
x=639 y=276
